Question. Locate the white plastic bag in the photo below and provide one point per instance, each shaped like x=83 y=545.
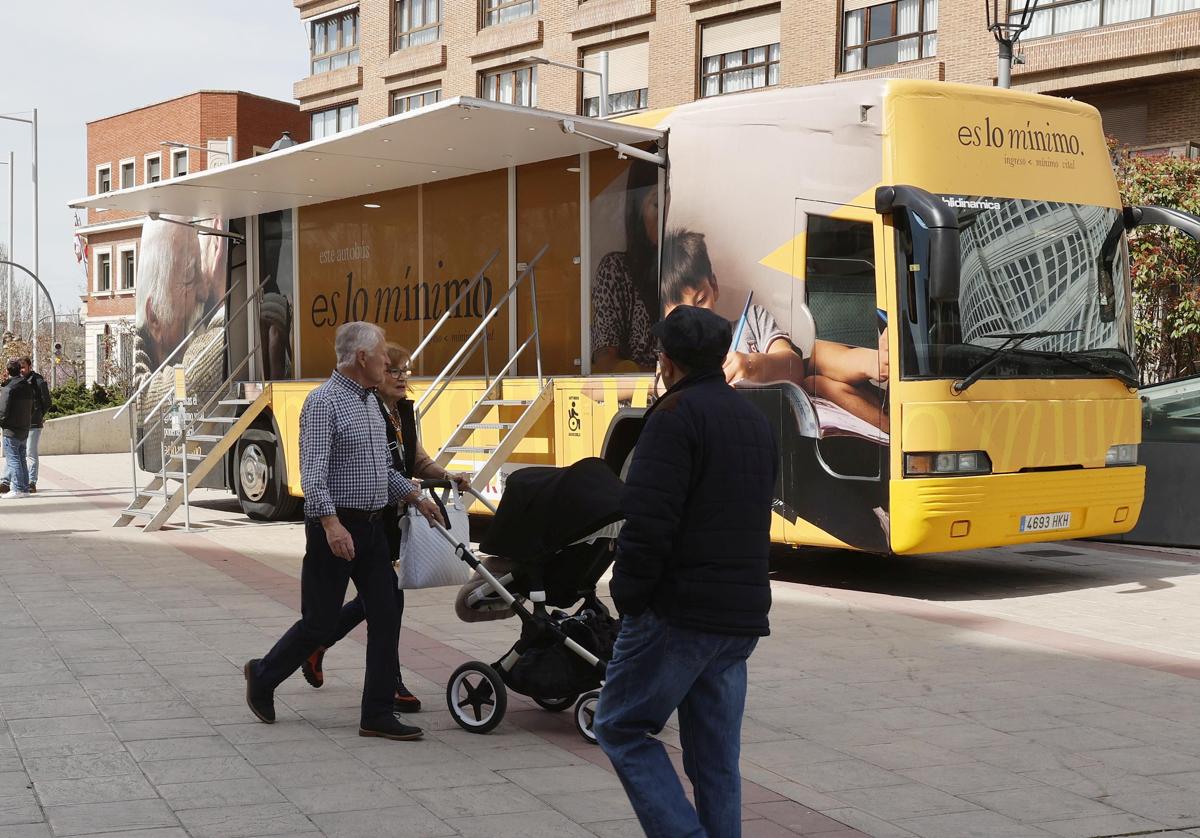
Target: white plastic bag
x=426 y=558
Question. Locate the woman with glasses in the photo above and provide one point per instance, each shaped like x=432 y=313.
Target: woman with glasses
x=411 y=460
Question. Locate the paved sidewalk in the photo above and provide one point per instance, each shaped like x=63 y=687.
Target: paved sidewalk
x=1035 y=691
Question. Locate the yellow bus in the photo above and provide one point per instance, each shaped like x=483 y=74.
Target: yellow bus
x=929 y=284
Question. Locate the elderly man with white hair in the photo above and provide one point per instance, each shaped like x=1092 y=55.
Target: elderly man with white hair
x=348 y=480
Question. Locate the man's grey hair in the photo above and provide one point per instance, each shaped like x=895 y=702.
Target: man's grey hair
x=352 y=338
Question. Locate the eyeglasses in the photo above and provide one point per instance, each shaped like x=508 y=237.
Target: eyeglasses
x=399 y=372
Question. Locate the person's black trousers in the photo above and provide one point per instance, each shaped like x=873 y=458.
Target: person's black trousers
x=353 y=611
x=323 y=581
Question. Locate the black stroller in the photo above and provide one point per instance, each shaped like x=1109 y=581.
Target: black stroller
x=552 y=538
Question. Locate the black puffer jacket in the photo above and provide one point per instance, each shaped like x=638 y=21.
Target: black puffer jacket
x=696 y=540
x=16 y=407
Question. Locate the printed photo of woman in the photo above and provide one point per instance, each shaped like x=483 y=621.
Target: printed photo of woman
x=625 y=289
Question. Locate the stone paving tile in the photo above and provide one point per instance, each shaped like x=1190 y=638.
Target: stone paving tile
x=971 y=825
x=1172 y=809
x=1146 y=760
x=20 y=808
x=57 y=726
x=1039 y=804
x=845 y=774
x=971 y=777
x=402 y=822
x=523 y=825
x=68 y=745
x=321 y=773
x=202 y=794
x=543 y=781
x=906 y=801
x=41 y=830
x=110 y=817
x=585 y=807
x=442 y=775
x=106 y=789
x=44 y=708
x=162 y=729
x=245 y=821
x=197 y=770
x=200 y=746
x=473 y=801
x=1088 y=827
x=349 y=797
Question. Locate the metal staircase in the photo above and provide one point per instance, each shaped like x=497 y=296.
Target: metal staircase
x=495 y=425
x=194 y=434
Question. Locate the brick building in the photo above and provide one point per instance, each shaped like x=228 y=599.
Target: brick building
x=1137 y=60
x=130 y=149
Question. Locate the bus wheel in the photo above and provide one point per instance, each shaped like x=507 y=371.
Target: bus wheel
x=262 y=477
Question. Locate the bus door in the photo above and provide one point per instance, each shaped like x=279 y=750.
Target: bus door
x=845 y=379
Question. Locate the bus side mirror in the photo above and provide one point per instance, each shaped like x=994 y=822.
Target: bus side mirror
x=941 y=222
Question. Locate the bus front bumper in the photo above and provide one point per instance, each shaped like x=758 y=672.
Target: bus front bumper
x=932 y=515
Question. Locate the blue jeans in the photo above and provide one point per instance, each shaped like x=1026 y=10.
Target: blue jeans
x=657 y=668
x=15 y=466
x=31 y=453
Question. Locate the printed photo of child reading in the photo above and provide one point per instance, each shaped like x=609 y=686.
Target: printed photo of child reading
x=849 y=378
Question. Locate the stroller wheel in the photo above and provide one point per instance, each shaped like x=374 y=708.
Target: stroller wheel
x=476 y=697
x=585 y=715
x=555 y=705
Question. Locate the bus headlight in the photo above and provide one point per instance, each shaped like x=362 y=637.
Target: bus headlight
x=946 y=463
x=1121 y=455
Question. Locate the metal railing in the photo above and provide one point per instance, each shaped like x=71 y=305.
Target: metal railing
x=137 y=443
x=478 y=338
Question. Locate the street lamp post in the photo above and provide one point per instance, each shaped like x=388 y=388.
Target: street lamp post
x=33 y=123
x=602 y=73
x=11 y=239
x=1006 y=24
x=53 y=323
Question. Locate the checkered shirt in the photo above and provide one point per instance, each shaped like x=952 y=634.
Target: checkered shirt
x=344 y=456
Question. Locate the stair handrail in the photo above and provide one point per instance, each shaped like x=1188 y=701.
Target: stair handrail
x=452 y=307
x=167 y=396
x=207 y=316
x=469 y=345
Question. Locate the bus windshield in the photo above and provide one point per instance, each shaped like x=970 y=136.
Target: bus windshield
x=1046 y=279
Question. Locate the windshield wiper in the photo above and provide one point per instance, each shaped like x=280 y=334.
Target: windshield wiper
x=1012 y=342
x=1096 y=365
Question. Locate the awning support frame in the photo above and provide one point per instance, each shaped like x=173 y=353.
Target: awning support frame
x=658 y=159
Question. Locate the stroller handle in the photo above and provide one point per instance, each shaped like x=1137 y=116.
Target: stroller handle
x=443 y=483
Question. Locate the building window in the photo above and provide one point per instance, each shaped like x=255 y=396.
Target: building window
x=333 y=42
x=154 y=168
x=628 y=79
x=740 y=53
x=127 y=176
x=888 y=33
x=405 y=101
x=417 y=22
x=1073 y=15
x=103 y=271
x=103 y=179
x=512 y=87
x=502 y=11
x=128 y=267
x=327 y=123
x=179 y=162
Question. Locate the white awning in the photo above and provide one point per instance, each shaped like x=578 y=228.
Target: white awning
x=457 y=137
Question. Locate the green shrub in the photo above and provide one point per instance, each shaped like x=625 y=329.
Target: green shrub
x=76 y=397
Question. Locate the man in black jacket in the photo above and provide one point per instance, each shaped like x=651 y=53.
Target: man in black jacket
x=41 y=406
x=691 y=582
x=16 y=413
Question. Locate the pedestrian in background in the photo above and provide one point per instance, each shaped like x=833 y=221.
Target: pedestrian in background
x=691 y=582
x=41 y=406
x=348 y=481
x=16 y=414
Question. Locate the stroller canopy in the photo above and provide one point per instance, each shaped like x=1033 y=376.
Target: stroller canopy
x=544 y=509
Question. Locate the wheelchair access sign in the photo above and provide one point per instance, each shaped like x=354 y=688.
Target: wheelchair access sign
x=574 y=417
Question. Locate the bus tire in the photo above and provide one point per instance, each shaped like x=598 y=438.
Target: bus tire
x=261 y=476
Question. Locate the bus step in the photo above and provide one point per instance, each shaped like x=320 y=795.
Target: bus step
x=472 y=449
x=219 y=420
x=194 y=458
x=236 y=401
x=174 y=475
x=145 y=513
x=205 y=438
x=507 y=402
x=490 y=426
x=153 y=493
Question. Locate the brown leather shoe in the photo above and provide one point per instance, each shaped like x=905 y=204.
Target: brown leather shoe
x=313 y=673
x=33 y=488
x=404 y=701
